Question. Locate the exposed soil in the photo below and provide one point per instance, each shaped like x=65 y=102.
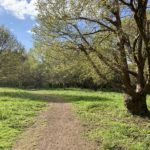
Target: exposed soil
x=55 y=129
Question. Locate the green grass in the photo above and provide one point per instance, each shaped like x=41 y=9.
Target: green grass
x=17 y=110
x=102 y=113
x=106 y=120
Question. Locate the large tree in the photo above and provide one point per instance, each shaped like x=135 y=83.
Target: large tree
x=84 y=25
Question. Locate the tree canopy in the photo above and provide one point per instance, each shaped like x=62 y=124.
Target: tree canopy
x=12 y=57
x=87 y=26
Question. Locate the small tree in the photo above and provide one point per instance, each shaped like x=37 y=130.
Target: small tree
x=87 y=25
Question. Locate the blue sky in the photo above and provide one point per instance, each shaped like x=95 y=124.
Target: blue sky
x=19 y=17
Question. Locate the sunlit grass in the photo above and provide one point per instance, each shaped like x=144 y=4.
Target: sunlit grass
x=106 y=120
x=17 y=110
x=102 y=113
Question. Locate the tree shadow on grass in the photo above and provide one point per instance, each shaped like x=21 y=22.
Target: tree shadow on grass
x=24 y=95
x=54 y=98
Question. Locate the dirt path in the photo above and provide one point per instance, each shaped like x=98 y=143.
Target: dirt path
x=55 y=129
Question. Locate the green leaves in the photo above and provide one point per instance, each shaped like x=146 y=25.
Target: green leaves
x=8 y=42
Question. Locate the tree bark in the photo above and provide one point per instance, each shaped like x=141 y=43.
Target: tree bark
x=136 y=104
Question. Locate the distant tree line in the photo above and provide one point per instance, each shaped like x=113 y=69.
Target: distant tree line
x=48 y=67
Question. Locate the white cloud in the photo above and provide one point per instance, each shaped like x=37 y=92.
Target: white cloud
x=20 y=8
x=30 y=32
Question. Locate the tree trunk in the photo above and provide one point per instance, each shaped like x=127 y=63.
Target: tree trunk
x=136 y=105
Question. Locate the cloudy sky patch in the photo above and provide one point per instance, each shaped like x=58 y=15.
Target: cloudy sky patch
x=19 y=8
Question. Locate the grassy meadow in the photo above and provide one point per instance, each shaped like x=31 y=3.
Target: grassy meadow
x=106 y=121
x=17 y=110
x=102 y=113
